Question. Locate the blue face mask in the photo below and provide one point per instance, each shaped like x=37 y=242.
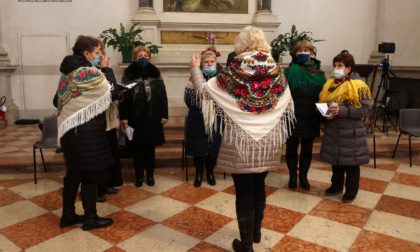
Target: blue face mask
x=303 y=58
x=97 y=60
x=142 y=62
x=209 y=70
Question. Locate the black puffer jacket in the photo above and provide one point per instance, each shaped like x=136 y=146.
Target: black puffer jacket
x=86 y=147
x=198 y=144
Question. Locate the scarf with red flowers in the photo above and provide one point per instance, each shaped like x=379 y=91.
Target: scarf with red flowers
x=82 y=95
x=253 y=97
x=308 y=77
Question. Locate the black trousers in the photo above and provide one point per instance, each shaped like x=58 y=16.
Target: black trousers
x=250 y=188
x=292 y=145
x=144 y=158
x=115 y=175
x=352 y=179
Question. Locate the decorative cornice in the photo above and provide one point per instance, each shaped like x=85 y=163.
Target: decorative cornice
x=206 y=26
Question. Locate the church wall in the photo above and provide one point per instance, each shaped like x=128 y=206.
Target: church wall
x=28 y=29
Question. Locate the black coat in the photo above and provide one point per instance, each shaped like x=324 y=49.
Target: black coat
x=198 y=144
x=144 y=116
x=308 y=119
x=86 y=147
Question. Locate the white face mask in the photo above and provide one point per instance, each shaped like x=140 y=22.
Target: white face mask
x=338 y=74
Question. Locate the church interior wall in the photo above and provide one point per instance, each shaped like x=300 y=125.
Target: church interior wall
x=357 y=26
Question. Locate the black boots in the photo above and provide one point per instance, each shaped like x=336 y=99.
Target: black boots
x=91 y=219
x=199 y=168
x=258 y=217
x=292 y=166
x=69 y=217
x=149 y=175
x=304 y=165
x=139 y=171
x=210 y=163
x=246 y=227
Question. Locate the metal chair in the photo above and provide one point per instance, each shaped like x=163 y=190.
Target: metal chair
x=48 y=139
x=184 y=153
x=409 y=125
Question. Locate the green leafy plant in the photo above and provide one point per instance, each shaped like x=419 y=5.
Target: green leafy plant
x=286 y=42
x=126 y=41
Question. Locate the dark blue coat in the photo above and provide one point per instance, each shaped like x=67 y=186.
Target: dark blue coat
x=197 y=144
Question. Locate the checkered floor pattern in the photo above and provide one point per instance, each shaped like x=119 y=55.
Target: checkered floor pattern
x=175 y=216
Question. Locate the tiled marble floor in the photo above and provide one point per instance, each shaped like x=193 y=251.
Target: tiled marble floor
x=175 y=216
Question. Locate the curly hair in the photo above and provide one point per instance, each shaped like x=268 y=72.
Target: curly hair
x=139 y=49
x=251 y=39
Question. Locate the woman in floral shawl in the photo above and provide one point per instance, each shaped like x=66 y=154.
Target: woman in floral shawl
x=254 y=100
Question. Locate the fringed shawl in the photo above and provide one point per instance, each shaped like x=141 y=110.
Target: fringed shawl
x=351 y=91
x=308 y=78
x=257 y=105
x=82 y=95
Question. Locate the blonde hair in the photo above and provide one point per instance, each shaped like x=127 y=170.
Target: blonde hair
x=139 y=49
x=251 y=39
x=208 y=54
x=304 y=44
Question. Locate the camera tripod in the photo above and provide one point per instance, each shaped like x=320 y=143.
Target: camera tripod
x=383 y=84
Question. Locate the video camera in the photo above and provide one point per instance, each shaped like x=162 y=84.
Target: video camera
x=386 y=47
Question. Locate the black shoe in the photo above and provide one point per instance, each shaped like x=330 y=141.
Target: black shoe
x=293 y=181
x=197 y=180
x=139 y=182
x=68 y=220
x=150 y=181
x=303 y=181
x=111 y=190
x=239 y=246
x=331 y=191
x=210 y=179
x=100 y=199
x=96 y=222
x=348 y=199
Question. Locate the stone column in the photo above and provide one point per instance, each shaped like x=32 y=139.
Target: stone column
x=264 y=19
x=145 y=14
x=264 y=5
x=145 y=3
x=6 y=70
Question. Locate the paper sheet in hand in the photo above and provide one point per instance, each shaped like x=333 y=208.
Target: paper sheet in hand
x=128 y=86
x=323 y=109
x=128 y=131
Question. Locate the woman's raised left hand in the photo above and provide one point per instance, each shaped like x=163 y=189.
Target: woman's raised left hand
x=195 y=61
x=104 y=61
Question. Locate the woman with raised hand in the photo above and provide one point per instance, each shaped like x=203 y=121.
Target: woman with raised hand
x=83 y=97
x=254 y=100
x=199 y=145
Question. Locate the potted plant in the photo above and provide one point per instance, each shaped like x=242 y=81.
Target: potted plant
x=287 y=41
x=126 y=41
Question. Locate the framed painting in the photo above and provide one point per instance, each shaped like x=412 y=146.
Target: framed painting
x=206 y=6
